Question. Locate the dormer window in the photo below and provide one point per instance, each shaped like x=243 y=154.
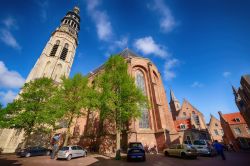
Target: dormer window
x=237 y=119
x=182 y=126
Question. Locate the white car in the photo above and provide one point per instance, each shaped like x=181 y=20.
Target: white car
x=69 y=152
x=204 y=148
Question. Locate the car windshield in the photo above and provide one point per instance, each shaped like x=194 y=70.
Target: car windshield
x=199 y=142
x=65 y=148
x=190 y=147
x=135 y=145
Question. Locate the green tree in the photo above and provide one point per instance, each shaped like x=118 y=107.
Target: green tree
x=75 y=97
x=29 y=111
x=120 y=99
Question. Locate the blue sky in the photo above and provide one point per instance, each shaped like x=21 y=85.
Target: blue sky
x=200 y=47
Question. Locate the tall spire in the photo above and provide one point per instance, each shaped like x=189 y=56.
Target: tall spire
x=234 y=90
x=172 y=96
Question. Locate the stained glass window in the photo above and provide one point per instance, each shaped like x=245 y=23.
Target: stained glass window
x=140 y=83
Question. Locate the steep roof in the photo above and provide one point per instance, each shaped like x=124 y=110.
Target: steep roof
x=212 y=117
x=128 y=53
x=124 y=53
x=186 y=101
x=172 y=96
x=230 y=118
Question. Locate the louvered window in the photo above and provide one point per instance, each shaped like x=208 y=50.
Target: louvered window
x=54 y=49
x=64 y=52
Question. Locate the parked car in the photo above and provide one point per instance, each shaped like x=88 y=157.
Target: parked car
x=33 y=151
x=69 y=152
x=181 y=150
x=136 y=151
x=204 y=148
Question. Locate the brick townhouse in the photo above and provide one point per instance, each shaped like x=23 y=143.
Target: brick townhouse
x=236 y=131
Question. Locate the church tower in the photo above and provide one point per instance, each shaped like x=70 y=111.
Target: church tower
x=174 y=105
x=58 y=55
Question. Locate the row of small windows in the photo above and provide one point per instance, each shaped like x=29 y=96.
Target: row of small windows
x=71 y=23
x=64 y=51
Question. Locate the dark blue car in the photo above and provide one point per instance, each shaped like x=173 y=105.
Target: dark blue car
x=33 y=151
x=136 y=151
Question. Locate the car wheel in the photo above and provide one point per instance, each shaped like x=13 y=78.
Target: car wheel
x=27 y=155
x=144 y=158
x=47 y=153
x=166 y=153
x=194 y=157
x=85 y=154
x=183 y=155
x=69 y=157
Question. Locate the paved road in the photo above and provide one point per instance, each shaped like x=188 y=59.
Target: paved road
x=233 y=159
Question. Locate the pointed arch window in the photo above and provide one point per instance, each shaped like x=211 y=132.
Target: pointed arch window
x=54 y=49
x=140 y=83
x=64 y=52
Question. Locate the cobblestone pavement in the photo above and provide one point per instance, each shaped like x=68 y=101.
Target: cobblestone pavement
x=233 y=159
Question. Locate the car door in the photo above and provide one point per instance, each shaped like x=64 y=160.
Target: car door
x=179 y=149
x=35 y=151
x=171 y=150
x=80 y=151
x=74 y=151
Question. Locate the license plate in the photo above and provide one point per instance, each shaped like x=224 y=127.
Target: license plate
x=136 y=151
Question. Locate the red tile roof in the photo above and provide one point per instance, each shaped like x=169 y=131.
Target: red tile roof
x=230 y=118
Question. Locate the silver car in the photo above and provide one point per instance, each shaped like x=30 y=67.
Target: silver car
x=69 y=152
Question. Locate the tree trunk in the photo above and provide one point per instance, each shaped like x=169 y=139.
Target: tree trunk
x=67 y=137
x=118 y=145
x=68 y=132
x=25 y=140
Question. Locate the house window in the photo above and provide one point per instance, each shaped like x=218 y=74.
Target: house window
x=182 y=126
x=193 y=112
x=222 y=132
x=237 y=131
x=237 y=119
x=64 y=52
x=140 y=83
x=216 y=132
x=248 y=130
x=216 y=124
x=184 y=114
x=54 y=49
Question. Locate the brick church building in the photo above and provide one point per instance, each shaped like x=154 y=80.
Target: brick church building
x=156 y=127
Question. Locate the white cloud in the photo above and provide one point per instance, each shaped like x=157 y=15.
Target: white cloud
x=197 y=84
x=5 y=34
x=147 y=46
x=7 y=97
x=226 y=74
x=101 y=20
x=43 y=4
x=7 y=37
x=168 y=72
x=167 y=21
x=10 y=79
x=10 y=22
